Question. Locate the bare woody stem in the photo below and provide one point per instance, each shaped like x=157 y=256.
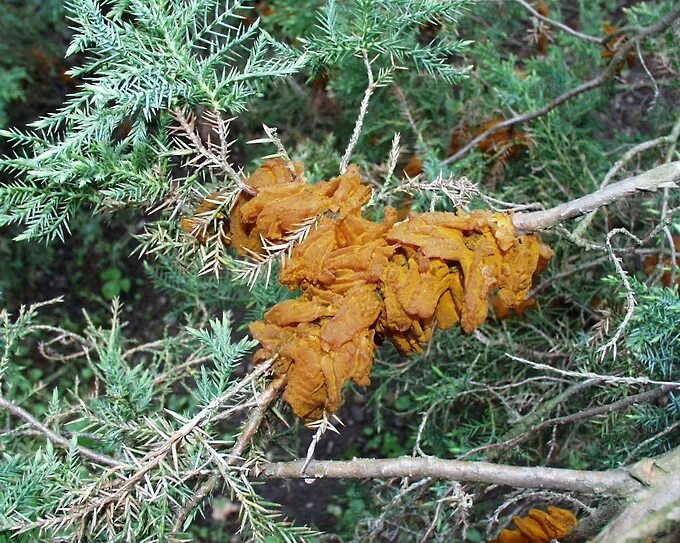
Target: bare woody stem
x=609 y=72
x=561 y=26
x=633 y=152
x=614 y=482
x=664 y=176
x=610 y=482
x=649 y=513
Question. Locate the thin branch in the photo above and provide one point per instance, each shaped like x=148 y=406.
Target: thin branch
x=464 y=505
x=655 y=86
x=610 y=482
x=664 y=176
x=62 y=333
x=376 y=525
x=262 y=264
x=363 y=110
x=612 y=379
x=395 y=151
x=630 y=293
x=561 y=26
x=625 y=159
x=528 y=424
x=177 y=372
x=663 y=223
x=609 y=72
x=251 y=427
x=247 y=434
x=281 y=149
x=56 y=438
x=630 y=250
x=674 y=255
x=322 y=426
x=654 y=439
x=212 y=156
x=459 y=190
x=670 y=153
x=152 y=346
x=643 y=397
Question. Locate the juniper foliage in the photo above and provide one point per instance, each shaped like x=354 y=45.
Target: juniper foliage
x=50 y=494
x=109 y=142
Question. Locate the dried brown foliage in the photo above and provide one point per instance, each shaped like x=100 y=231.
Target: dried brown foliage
x=651 y=264
x=414 y=166
x=362 y=281
x=504 y=145
x=615 y=44
x=542 y=36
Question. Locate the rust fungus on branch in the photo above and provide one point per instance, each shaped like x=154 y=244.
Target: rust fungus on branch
x=540 y=527
x=362 y=281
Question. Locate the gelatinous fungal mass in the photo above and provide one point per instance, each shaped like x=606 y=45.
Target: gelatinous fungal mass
x=540 y=527
x=361 y=280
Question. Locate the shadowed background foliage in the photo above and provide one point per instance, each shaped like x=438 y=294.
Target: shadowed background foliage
x=104 y=181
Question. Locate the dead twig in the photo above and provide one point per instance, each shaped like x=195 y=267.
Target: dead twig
x=643 y=397
x=561 y=26
x=374 y=83
x=611 y=379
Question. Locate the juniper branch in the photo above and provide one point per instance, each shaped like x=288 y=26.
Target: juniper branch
x=610 y=379
x=561 y=26
x=610 y=482
x=56 y=438
x=118 y=492
x=363 y=110
x=206 y=155
x=664 y=176
x=608 y=73
x=516 y=438
x=246 y=436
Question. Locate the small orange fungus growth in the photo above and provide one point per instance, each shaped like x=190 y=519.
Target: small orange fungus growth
x=651 y=263
x=414 y=166
x=541 y=35
x=508 y=141
x=265 y=9
x=539 y=527
x=502 y=146
x=47 y=66
x=614 y=44
x=361 y=280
